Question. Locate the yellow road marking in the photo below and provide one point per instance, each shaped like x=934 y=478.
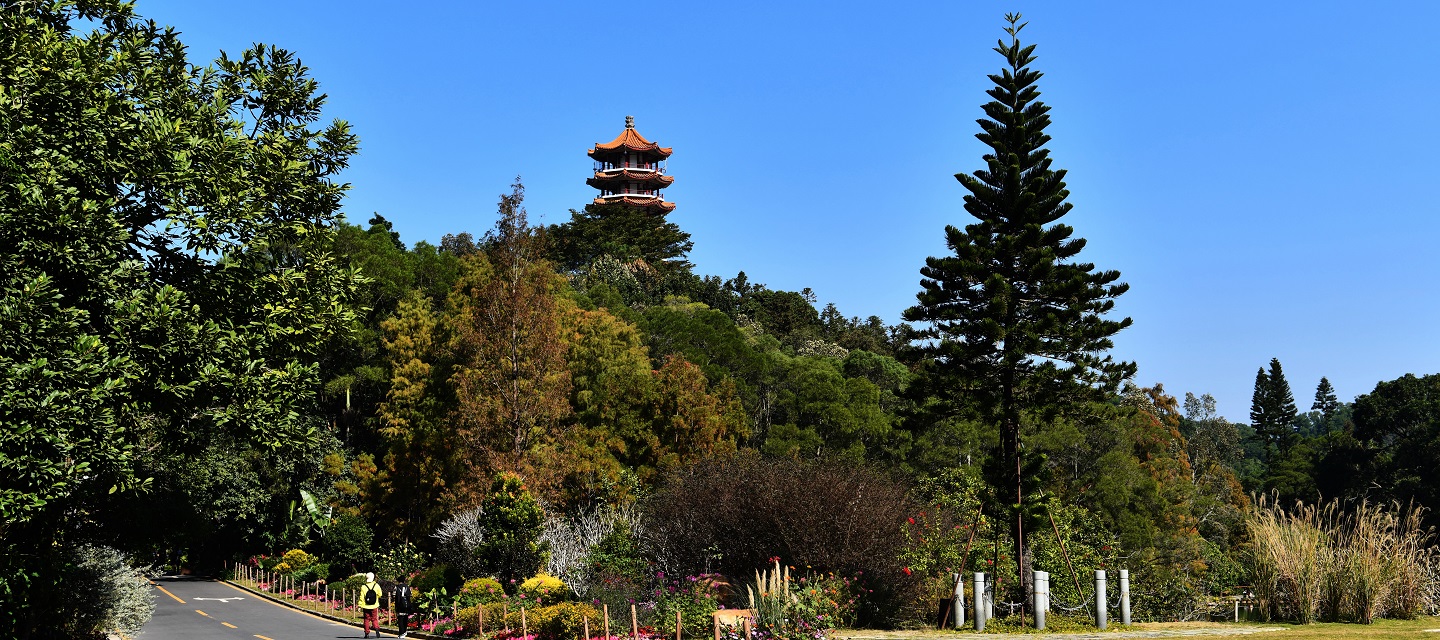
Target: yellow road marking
x=167 y=592
x=263 y=637
x=230 y=625
x=202 y=613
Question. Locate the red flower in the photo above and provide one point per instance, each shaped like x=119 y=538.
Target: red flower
x=906 y=570
x=911 y=520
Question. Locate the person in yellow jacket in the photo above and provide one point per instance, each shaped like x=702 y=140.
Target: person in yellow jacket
x=370 y=604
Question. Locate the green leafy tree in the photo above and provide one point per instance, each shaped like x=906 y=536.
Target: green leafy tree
x=166 y=282
x=512 y=521
x=512 y=384
x=688 y=420
x=590 y=459
x=1013 y=323
x=621 y=232
x=1399 y=424
x=421 y=470
x=819 y=412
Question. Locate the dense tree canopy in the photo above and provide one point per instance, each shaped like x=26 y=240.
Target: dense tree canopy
x=167 y=281
x=201 y=360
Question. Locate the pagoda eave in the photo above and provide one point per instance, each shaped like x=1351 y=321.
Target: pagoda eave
x=638 y=203
x=600 y=152
x=611 y=181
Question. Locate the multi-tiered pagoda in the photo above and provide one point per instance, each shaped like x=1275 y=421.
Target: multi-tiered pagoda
x=630 y=170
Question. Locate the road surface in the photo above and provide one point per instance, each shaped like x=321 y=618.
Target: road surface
x=199 y=608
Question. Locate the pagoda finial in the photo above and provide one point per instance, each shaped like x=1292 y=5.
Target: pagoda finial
x=629 y=122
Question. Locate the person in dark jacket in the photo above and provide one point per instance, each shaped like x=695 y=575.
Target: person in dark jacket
x=404 y=605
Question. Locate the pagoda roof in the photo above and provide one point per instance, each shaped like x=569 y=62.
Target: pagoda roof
x=626 y=175
x=641 y=202
x=631 y=140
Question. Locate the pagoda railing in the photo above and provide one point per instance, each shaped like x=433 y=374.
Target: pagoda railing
x=627 y=166
x=608 y=196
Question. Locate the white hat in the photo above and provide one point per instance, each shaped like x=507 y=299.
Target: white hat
x=369 y=577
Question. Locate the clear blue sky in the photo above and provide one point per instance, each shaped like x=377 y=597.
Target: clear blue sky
x=1260 y=173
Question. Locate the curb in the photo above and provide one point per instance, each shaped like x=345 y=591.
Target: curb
x=415 y=633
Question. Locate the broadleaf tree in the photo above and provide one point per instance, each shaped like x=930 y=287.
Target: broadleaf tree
x=165 y=283
x=1013 y=323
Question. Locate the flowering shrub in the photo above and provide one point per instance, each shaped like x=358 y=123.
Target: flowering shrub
x=543 y=589
x=480 y=591
x=557 y=622
x=404 y=560
x=804 y=608
x=298 y=560
x=445 y=626
x=695 y=597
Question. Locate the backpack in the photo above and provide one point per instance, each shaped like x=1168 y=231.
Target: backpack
x=372 y=594
x=402 y=598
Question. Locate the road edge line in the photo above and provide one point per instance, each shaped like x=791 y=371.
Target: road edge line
x=414 y=633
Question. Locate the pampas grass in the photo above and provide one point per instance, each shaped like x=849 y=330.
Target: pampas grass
x=1326 y=562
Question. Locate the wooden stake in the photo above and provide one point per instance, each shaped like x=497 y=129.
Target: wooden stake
x=677 y=624
x=745 y=626
x=634 y=624
x=1078 y=593
x=506 y=617
x=524 y=624
x=480 y=612
x=587 y=627
x=607 y=620
x=717 y=627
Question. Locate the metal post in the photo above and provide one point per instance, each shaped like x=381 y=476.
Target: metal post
x=1100 y=598
x=979 y=600
x=1042 y=598
x=1124 y=596
x=959 y=604
x=1237 y=609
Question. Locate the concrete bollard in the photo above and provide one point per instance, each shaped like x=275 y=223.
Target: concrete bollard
x=1124 y=596
x=959 y=603
x=979 y=600
x=1042 y=598
x=1100 y=599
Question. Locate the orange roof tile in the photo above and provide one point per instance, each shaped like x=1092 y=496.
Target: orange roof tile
x=646 y=177
x=632 y=140
x=642 y=202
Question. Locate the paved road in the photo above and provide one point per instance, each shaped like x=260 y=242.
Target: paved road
x=197 y=608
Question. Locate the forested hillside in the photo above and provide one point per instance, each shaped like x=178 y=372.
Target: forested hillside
x=204 y=361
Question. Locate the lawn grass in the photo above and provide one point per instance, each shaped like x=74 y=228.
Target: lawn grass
x=1381 y=630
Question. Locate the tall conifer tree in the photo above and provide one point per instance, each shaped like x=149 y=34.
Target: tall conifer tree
x=1272 y=408
x=1013 y=324
x=1325 y=402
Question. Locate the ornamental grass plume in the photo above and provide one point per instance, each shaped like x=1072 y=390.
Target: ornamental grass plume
x=1288 y=548
x=1326 y=562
